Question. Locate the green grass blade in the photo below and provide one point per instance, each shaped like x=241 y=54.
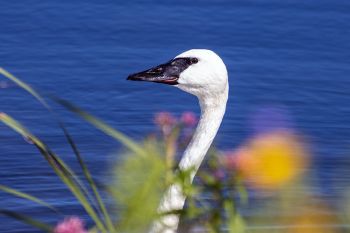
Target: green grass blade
x=129 y=143
x=24 y=86
x=26 y=196
x=82 y=164
x=28 y=220
x=61 y=169
x=93 y=230
x=34 y=93
x=93 y=186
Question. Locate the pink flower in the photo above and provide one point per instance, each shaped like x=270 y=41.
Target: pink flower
x=70 y=225
x=164 y=119
x=189 y=119
x=237 y=159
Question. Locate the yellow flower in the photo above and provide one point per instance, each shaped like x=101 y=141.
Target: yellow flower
x=271 y=160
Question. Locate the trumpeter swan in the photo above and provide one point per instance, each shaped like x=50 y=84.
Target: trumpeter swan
x=202 y=73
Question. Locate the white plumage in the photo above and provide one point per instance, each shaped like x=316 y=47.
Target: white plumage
x=208 y=80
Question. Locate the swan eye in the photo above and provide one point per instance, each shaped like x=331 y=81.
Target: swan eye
x=194 y=60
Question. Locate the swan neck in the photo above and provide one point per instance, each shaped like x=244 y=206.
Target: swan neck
x=212 y=113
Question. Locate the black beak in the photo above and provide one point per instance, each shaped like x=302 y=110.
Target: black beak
x=164 y=73
x=167 y=73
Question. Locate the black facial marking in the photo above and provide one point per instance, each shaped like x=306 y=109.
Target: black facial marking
x=193 y=60
x=167 y=73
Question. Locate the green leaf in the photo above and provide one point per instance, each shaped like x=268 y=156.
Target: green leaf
x=26 y=196
x=93 y=230
x=242 y=192
x=235 y=222
x=28 y=220
x=93 y=186
x=138 y=188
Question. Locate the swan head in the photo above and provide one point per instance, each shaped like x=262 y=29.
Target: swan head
x=200 y=72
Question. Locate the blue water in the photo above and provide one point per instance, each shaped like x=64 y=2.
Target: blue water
x=290 y=54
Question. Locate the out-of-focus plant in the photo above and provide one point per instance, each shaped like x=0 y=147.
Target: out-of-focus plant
x=217 y=184
x=272 y=161
x=138 y=185
x=142 y=176
x=174 y=133
x=90 y=199
x=70 y=225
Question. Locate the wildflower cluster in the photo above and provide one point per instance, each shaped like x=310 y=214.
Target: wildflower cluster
x=70 y=225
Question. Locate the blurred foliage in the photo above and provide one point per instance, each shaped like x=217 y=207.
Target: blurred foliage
x=138 y=185
x=270 y=165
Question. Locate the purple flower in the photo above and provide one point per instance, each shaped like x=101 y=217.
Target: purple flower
x=189 y=119
x=165 y=119
x=219 y=174
x=166 y=122
x=70 y=225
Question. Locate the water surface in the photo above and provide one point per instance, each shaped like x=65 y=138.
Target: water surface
x=291 y=54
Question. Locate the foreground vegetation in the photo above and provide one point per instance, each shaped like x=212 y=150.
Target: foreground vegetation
x=272 y=164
